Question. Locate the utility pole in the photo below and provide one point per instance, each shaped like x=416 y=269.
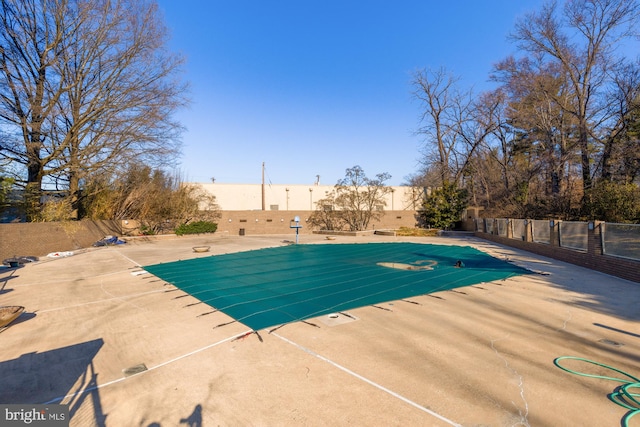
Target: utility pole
x=263 y=202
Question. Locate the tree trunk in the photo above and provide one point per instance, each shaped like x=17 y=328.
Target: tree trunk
x=585 y=157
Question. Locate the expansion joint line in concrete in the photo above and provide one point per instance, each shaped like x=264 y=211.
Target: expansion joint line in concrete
x=136 y=264
x=368 y=381
x=120 y=298
x=90 y=389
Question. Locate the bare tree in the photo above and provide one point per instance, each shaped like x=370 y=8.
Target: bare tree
x=441 y=105
x=354 y=202
x=325 y=217
x=565 y=116
x=159 y=200
x=30 y=36
x=85 y=85
x=360 y=198
x=582 y=41
x=454 y=125
x=620 y=160
x=540 y=153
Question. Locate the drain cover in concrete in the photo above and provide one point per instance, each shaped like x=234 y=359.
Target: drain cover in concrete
x=134 y=370
x=335 y=319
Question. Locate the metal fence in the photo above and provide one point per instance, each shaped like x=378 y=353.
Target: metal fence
x=502 y=225
x=541 y=231
x=622 y=240
x=574 y=235
x=518 y=227
x=488 y=225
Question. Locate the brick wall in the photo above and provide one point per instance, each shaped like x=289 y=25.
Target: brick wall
x=41 y=238
x=593 y=258
x=278 y=222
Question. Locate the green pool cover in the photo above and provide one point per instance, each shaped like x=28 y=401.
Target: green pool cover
x=268 y=287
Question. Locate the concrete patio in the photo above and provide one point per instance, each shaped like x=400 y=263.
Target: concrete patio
x=123 y=348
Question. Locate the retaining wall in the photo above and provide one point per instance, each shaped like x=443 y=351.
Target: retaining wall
x=41 y=238
x=278 y=222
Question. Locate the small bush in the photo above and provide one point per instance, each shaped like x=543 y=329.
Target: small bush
x=145 y=230
x=443 y=207
x=54 y=210
x=197 y=227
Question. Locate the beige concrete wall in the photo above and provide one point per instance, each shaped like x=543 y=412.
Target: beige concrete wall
x=236 y=197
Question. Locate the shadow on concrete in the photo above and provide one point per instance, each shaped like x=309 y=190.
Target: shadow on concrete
x=49 y=376
x=87 y=391
x=601 y=292
x=4 y=279
x=622 y=331
x=193 y=420
x=25 y=316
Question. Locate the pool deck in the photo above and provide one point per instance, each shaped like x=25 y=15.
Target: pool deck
x=475 y=356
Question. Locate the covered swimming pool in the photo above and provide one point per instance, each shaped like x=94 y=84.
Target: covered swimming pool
x=274 y=286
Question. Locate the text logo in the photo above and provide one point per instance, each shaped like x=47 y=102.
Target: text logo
x=34 y=415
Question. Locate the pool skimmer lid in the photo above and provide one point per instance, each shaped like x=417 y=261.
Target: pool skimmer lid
x=335 y=319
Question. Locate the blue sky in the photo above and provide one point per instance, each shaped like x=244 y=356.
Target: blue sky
x=316 y=87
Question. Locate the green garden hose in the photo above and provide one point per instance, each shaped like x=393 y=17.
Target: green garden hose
x=622 y=395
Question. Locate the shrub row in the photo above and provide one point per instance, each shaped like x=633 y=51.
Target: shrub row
x=197 y=227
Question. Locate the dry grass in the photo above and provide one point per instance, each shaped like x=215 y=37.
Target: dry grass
x=417 y=232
